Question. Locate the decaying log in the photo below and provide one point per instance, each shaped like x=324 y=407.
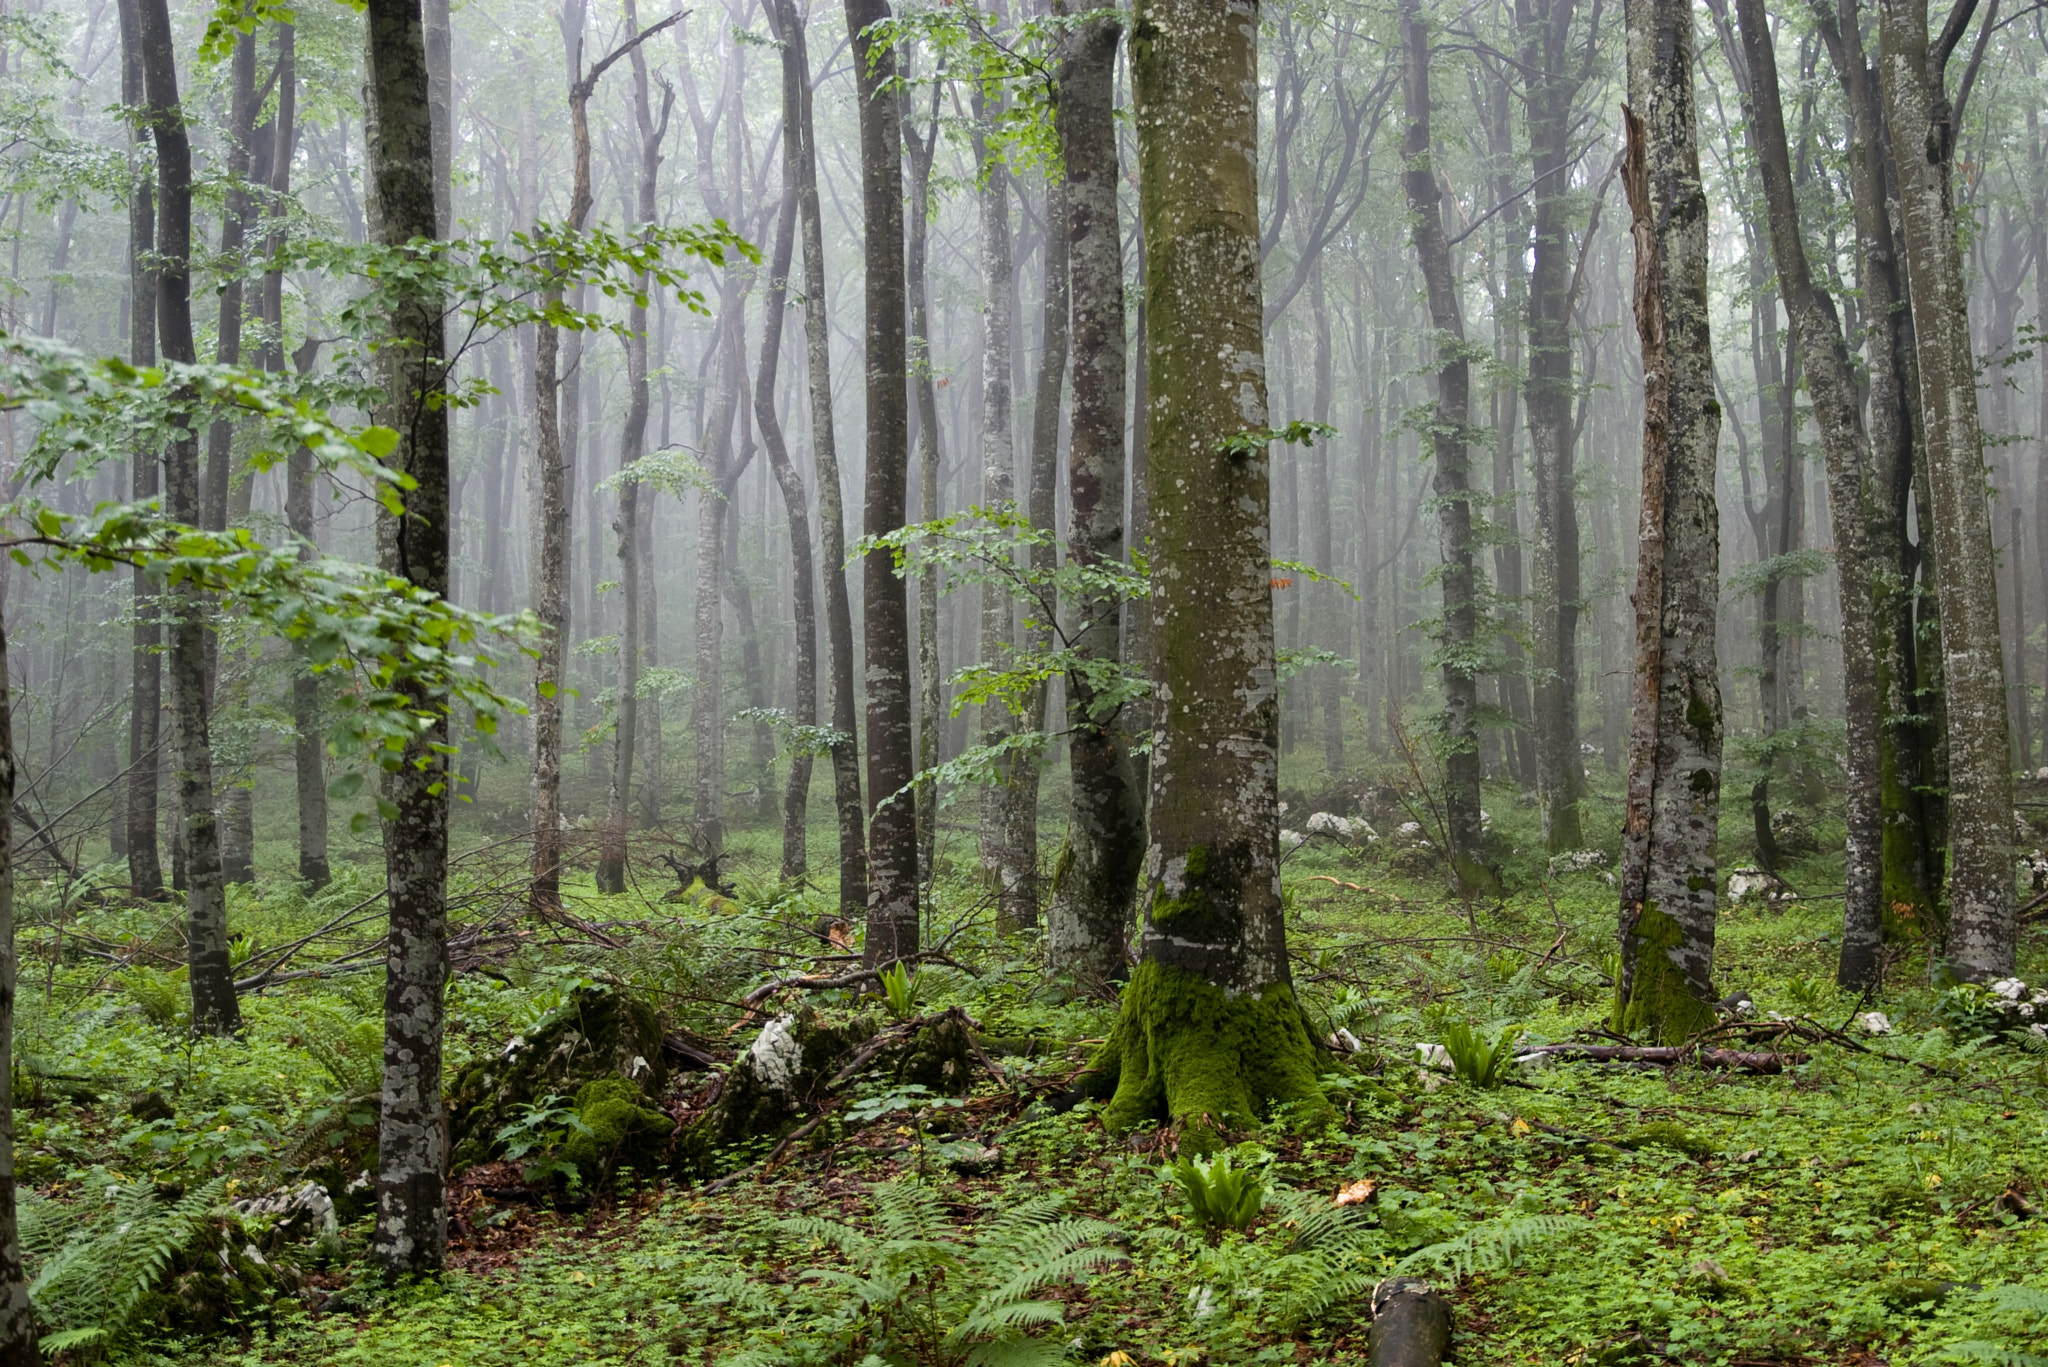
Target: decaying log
x=1668 y=1055
x=1411 y=1324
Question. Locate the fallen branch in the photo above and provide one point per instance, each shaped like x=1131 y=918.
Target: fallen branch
x=1668 y=1055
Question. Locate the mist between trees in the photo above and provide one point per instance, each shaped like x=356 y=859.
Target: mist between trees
x=1067 y=445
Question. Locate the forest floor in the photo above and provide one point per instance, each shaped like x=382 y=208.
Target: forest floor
x=1873 y=1202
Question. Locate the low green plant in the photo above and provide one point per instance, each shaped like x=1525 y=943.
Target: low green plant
x=1220 y=1195
x=543 y=1129
x=101 y=1267
x=900 y=990
x=2022 y=1305
x=1477 y=1060
x=916 y=1289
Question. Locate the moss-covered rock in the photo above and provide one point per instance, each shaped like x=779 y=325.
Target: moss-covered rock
x=618 y=1131
x=600 y=1032
x=783 y=1074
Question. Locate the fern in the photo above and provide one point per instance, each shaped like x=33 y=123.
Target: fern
x=1332 y=1260
x=916 y=1287
x=2020 y=1301
x=94 y=1275
x=1492 y=1247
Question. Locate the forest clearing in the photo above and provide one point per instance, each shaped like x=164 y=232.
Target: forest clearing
x=1451 y=775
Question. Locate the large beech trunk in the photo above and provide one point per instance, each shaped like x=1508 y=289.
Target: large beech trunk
x=1907 y=758
x=1089 y=921
x=892 y=911
x=1668 y=881
x=1551 y=65
x=1980 y=831
x=411 y=1232
x=214 y=1010
x=1209 y=1032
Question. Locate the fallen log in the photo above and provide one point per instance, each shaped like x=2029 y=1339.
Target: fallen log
x=1667 y=1056
x=1411 y=1324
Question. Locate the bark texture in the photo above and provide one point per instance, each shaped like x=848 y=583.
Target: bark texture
x=1209 y=1032
x=892 y=910
x=1668 y=884
x=1554 y=75
x=411 y=1232
x=1089 y=923
x=1980 y=832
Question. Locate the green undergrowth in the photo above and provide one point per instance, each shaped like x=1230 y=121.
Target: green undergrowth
x=1857 y=1207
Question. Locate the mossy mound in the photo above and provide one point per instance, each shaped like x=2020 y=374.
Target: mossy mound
x=599 y=1033
x=1666 y=1134
x=940 y=1057
x=618 y=1132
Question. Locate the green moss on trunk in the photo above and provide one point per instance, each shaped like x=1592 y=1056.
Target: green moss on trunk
x=1660 y=1002
x=1187 y=1053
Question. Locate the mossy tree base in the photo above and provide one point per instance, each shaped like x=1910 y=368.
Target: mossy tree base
x=1656 y=997
x=1186 y=1053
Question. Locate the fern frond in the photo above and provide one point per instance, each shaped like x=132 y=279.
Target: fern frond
x=1019 y=1352
x=2022 y=1300
x=1489 y=1248
x=1006 y=1317
x=909 y=1210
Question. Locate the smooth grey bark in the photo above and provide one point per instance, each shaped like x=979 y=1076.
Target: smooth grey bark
x=1042 y=608
x=214 y=1009
x=611 y=863
x=411 y=1231
x=1919 y=118
x=1326 y=607
x=1005 y=872
x=1668 y=878
x=1449 y=435
x=145 y=704
x=892 y=911
x=921 y=148
x=1089 y=923
x=707 y=697
x=1910 y=704
x=845 y=747
x=1554 y=75
x=19 y=1345
x=1852 y=498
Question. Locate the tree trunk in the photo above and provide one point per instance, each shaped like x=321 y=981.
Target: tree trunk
x=1041 y=610
x=1852 y=501
x=1209 y=1032
x=845 y=748
x=145 y=706
x=411 y=1234
x=1004 y=871
x=214 y=1010
x=1550 y=63
x=1668 y=884
x=1906 y=749
x=1458 y=637
x=1326 y=616
x=1090 y=920
x=892 y=912
x=611 y=863
x=1980 y=883
x=18 y=1338
x=931 y=691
